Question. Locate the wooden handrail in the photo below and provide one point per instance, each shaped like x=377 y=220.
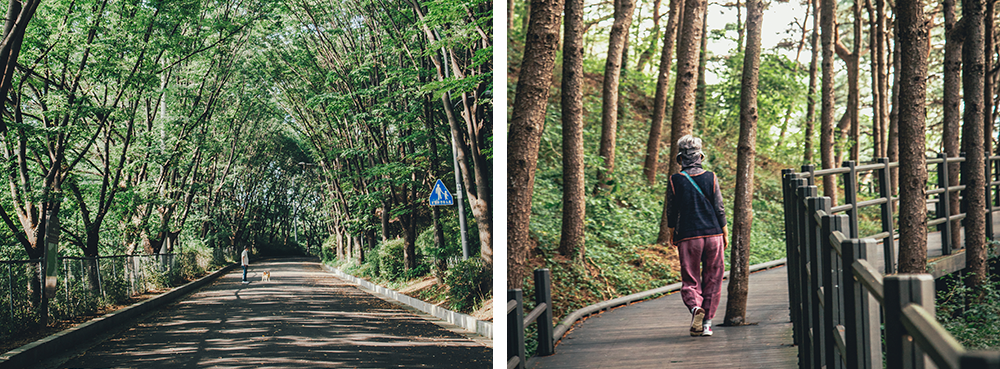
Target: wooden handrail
x=836 y=294
x=932 y=337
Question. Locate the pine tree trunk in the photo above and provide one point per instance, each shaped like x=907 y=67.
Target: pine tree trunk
x=893 y=150
x=913 y=34
x=609 y=93
x=807 y=156
x=883 y=82
x=574 y=201
x=973 y=171
x=525 y=130
x=988 y=80
x=952 y=107
x=739 y=278
x=660 y=100
x=682 y=118
x=654 y=36
x=828 y=10
x=873 y=50
x=702 y=54
x=854 y=94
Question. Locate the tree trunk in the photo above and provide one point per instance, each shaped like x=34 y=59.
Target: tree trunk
x=660 y=100
x=883 y=83
x=654 y=36
x=973 y=171
x=873 y=50
x=827 y=20
x=739 y=278
x=807 y=156
x=952 y=108
x=682 y=118
x=525 y=130
x=988 y=81
x=702 y=55
x=609 y=94
x=893 y=149
x=853 y=75
x=440 y=262
x=574 y=201
x=913 y=34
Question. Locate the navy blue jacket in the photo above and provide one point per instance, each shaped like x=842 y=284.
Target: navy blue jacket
x=690 y=214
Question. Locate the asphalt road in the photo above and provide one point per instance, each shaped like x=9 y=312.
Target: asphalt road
x=303 y=317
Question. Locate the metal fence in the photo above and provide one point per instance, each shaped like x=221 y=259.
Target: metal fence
x=86 y=286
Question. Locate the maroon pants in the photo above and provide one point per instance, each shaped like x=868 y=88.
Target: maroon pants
x=701 y=273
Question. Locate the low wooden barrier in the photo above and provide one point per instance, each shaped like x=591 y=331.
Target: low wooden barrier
x=841 y=292
x=516 y=321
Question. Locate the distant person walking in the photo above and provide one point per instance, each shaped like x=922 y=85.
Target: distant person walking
x=245 y=261
x=696 y=222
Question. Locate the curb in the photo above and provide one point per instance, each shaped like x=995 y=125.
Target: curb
x=57 y=344
x=467 y=322
x=571 y=319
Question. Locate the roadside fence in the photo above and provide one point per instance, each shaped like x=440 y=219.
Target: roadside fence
x=86 y=285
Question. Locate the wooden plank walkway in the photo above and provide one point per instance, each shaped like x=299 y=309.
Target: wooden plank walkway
x=654 y=334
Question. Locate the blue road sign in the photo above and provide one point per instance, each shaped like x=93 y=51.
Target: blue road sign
x=440 y=195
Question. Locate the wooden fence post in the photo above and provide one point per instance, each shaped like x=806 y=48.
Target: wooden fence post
x=944 y=205
x=790 y=184
x=861 y=312
x=515 y=328
x=816 y=269
x=851 y=197
x=543 y=294
x=831 y=273
x=901 y=290
x=885 y=191
x=806 y=287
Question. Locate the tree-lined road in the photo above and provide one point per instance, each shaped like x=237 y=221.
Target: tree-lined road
x=303 y=317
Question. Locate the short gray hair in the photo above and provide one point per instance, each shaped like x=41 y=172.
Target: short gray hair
x=689 y=143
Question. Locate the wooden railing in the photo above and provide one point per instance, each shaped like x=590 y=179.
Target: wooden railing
x=541 y=314
x=837 y=291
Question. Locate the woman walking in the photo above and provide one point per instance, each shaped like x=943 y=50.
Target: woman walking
x=696 y=223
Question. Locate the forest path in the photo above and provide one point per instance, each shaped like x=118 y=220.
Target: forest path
x=654 y=334
x=303 y=317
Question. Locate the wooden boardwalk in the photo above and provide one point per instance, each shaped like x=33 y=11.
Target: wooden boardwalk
x=654 y=334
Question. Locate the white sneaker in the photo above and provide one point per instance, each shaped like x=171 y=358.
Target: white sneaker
x=706 y=330
x=697 y=317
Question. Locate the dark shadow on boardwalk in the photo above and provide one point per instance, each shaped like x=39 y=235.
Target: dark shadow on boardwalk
x=302 y=318
x=654 y=334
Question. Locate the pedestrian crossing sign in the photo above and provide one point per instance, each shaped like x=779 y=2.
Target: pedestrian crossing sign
x=440 y=195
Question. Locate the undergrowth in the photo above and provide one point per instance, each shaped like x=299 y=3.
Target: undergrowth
x=977 y=325
x=467 y=284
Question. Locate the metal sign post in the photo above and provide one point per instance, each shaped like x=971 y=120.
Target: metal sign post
x=458 y=196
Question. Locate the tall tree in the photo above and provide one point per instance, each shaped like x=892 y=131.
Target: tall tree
x=574 y=203
x=609 y=92
x=682 y=118
x=660 y=99
x=525 y=130
x=828 y=11
x=952 y=104
x=913 y=35
x=739 y=276
x=807 y=156
x=973 y=171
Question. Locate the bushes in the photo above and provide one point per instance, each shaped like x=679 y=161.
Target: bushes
x=469 y=283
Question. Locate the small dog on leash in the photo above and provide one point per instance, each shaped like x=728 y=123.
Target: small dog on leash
x=266 y=277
